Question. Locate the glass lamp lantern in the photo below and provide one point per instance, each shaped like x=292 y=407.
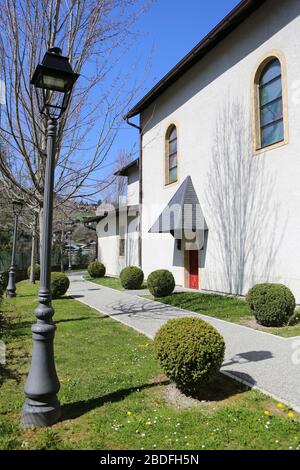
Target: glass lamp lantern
x=17 y=205
x=53 y=80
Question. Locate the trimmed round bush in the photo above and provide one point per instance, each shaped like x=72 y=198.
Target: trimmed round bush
x=271 y=304
x=190 y=352
x=132 y=277
x=59 y=284
x=161 y=283
x=37 y=272
x=96 y=269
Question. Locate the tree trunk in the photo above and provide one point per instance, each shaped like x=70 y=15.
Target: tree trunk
x=33 y=249
x=41 y=232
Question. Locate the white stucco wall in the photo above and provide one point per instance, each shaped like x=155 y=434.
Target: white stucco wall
x=211 y=106
x=133 y=186
x=109 y=240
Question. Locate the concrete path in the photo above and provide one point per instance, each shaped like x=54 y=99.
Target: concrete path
x=259 y=359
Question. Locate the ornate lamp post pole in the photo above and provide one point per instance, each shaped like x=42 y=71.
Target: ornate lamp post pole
x=11 y=286
x=53 y=80
x=70 y=255
x=70 y=223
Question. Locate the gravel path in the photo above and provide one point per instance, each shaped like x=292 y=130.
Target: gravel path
x=259 y=359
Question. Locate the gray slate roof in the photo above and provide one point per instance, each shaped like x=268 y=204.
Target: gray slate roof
x=182 y=212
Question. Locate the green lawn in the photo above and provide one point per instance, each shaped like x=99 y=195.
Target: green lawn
x=232 y=309
x=113 y=282
x=114 y=395
x=227 y=308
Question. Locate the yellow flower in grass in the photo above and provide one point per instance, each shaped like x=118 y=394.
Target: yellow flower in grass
x=129 y=413
x=291 y=414
x=267 y=413
x=280 y=406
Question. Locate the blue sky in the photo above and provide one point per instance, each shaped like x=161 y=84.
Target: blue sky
x=168 y=31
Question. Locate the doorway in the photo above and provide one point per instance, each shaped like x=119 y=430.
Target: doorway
x=194 y=269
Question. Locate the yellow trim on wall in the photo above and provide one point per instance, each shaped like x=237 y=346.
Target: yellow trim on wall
x=271 y=55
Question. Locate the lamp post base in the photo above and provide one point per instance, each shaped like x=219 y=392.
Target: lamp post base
x=11 y=286
x=40 y=414
x=11 y=294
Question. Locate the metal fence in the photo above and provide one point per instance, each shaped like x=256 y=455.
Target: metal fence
x=22 y=260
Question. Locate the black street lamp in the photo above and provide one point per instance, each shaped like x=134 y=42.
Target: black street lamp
x=70 y=223
x=11 y=286
x=70 y=254
x=53 y=80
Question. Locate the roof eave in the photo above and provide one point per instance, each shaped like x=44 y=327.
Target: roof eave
x=223 y=29
x=124 y=171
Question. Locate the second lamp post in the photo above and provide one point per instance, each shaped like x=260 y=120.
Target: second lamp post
x=11 y=286
x=53 y=80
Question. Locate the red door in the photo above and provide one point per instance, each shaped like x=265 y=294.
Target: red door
x=194 y=270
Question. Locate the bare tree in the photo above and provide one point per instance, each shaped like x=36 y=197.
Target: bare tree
x=115 y=186
x=95 y=34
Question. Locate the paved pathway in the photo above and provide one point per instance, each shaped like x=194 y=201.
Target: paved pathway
x=259 y=359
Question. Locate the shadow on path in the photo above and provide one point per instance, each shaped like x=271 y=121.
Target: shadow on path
x=251 y=356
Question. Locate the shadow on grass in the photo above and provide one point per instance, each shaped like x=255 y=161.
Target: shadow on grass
x=23 y=296
x=221 y=388
x=79 y=408
x=9 y=374
x=19 y=329
x=66 y=320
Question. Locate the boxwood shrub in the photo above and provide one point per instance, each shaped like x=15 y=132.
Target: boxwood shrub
x=271 y=304
x=96 y=269
x=132 y=277
x=59 y=284
x=161 y=283
x=37 y=272
x=190 y=352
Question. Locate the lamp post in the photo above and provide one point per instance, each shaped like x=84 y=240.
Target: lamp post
x=11 y=286
x=70 y=223
x=88 y=223
x=53 y=80
x=70 y=255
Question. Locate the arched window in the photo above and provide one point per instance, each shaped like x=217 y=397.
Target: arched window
x=271 y=111
x=171 y=155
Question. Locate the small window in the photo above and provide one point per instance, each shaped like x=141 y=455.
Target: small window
x=271 y=116
x=171 y=155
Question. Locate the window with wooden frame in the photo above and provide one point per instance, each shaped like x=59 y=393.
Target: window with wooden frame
x=270 y=104
x=171 y=155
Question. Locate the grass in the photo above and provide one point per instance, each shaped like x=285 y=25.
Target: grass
x=112 y=282
x=114 y=395
x=228 y=308
x=232 y=309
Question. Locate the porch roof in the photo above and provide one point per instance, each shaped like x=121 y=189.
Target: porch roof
x=183 y=212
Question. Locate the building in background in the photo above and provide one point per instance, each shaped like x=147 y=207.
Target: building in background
x=118 y=226
x=220 y=133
